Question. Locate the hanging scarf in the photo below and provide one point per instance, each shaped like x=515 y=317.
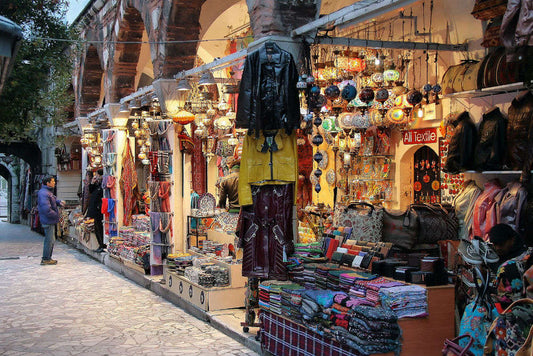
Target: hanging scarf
x=198 y=166
x=128 y=182
x=164 y=195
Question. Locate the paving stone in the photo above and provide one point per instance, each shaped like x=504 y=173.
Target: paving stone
x=80 y=306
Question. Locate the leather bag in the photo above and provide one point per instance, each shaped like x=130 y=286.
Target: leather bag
x=436 y=223
x=452 y=348
x=365 y=219
x=400 y=228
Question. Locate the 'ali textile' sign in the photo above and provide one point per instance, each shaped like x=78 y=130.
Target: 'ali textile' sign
x=419 y=136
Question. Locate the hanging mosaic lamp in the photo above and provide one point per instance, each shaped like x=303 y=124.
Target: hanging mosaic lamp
x=183 y=117
x=391 y=75
x=317 y=121
x=349 y=92
x=377 y=78
x=317 y=140
x=414 y=97
x=366 y=95
x=332 y=92
x=382 y=95
x=318 y=156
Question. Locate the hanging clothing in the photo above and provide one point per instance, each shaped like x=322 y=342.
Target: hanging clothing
x=128 y=182
x=265 y=231
x=164 y=196
x=267 y=160
x=268 y=98
x=198 y=165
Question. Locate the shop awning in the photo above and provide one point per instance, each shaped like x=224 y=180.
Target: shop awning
x=10 y=37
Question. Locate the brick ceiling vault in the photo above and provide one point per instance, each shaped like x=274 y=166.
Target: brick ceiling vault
x=126 y=56
x=182 y=23
x=91 y=84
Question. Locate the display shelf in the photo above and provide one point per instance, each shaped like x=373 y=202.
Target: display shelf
x=215 y=298
x=478 y=93
x=495 y=172
x=235 y=277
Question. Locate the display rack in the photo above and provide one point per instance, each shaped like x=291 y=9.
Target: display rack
x=478 y=93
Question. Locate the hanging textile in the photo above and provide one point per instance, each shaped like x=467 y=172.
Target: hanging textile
x=128 y=182
x=198 y=167
x=305 y=168
x=265 y=231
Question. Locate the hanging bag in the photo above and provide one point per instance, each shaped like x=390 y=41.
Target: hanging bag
x=365 y=219
x=452 y=347
x=512 y=332
x=436 y=223
x=400 y=228
x=478 y=316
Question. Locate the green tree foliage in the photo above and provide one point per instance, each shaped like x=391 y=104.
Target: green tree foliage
x=37 y=92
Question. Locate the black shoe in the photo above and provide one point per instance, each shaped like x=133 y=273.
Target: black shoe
x=100 y=250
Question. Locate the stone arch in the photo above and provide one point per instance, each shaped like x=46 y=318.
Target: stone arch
x=28 y=151
x=90 y=85
x=123 y=67
x=179 y=21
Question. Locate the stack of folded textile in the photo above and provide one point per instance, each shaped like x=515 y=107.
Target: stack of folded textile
x=291 y=301
x=308 y=250
x=334 y=277
x=321 y=274
x=295 y=270
x=314 y=301
x=406 y=301
x=270 y=295
x=370 y=288
x=264 y=295
x=371 y=330
x=309 y=275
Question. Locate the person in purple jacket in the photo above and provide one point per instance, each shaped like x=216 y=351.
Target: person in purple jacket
x=48 y=204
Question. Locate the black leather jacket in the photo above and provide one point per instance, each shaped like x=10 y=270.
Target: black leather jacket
x=492 y=144
x=268 y=98
x=462 y=144
x=520 y=118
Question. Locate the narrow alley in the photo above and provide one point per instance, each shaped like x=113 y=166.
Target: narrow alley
x=81 y=307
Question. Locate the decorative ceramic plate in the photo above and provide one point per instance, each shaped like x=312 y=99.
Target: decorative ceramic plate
x=324 y=162
x=330 y=176
x=206 y=204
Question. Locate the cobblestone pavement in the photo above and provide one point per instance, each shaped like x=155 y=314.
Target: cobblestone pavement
x=80 y=306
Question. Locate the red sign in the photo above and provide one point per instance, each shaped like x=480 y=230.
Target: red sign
x=419 y=136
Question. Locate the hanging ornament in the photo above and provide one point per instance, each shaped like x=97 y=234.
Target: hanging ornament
x=414 y=97
x=318 y=173
x=349 y=92
x=377 y=78
x=302 y=83
x=366 y=95
x=332 y=92
x=318 y=157
x=398 y=89
x=317 y=140
x=317 y=121
x=318 y=188
x=382 y=95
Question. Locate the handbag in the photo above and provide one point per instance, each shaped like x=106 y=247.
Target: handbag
x=452 y=347
x=478 y=316
x=512 y=332
x=365 y=220
x=400 y=228
x=436 y=223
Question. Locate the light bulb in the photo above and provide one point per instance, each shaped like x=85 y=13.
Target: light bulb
x=420 y=113
x=377 y=61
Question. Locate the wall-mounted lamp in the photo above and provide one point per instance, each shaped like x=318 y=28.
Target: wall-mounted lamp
x=124 y=107
x=207 y=79
x=184 y=85
x=134 y=104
